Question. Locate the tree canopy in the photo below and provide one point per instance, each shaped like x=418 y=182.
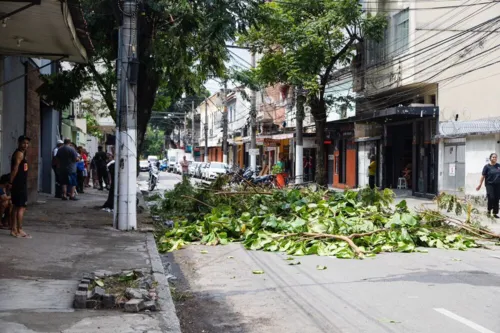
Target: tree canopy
x=303 y=42
x=180 y=44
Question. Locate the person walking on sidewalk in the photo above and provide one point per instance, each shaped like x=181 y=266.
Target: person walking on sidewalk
x=372 y=171
x=60 y=143
x=100 y=160
x=19 y=187
x=66 y=162
x=185 y=167
x=491 y=176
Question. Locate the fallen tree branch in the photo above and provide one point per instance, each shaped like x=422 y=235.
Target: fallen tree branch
x=191 y=198
x=244 y=193
x=367 y=233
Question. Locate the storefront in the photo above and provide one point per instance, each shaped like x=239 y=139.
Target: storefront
x=341 y=155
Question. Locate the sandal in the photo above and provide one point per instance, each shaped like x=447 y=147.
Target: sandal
x=24 y=235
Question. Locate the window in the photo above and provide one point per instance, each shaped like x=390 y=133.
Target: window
x=377 y=52
x=401 y=31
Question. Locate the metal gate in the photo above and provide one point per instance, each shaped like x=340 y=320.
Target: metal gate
x=454 y=166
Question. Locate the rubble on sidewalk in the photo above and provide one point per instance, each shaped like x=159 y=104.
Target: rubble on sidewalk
x=129 y=290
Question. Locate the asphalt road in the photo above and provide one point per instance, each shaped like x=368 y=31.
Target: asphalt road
x=440 y=291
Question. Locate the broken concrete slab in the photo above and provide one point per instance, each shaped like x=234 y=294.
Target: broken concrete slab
x=131 y=293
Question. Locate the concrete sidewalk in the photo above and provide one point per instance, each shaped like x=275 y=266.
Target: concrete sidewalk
x=39 y=276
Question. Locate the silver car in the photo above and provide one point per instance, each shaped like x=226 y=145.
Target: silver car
x=192 y=168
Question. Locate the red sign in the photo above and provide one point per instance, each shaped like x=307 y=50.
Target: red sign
x=327 y=142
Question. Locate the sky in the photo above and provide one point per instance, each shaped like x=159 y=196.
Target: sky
x=239 y=58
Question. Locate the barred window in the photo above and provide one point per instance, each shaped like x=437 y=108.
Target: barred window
x=401 y=31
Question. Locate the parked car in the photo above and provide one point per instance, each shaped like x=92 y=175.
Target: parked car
x=215 y=169
x=192 y=168
x=199 y=169
x=204 y=171
x=143 y=165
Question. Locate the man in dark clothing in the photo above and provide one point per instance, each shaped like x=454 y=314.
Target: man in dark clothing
x=101 y=160
x=60 y=143
x=19 y=187
x=66 y=162
x=110 y=203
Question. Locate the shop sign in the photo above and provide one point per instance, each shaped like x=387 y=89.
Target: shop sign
x=327 y=142
x=253 y=152
x=331 y=157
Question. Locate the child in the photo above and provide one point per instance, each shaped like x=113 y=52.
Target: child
x=5 y=202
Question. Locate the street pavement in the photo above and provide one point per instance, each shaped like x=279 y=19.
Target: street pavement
x=439 y=291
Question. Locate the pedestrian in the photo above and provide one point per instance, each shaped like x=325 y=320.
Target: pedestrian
x=80 y=171
x=372 y=171
x=491 y=177
x=60 y=143
x=5 y=202
x=66 y=161
x=110 y=203
x=100 y=160
x=185 y=167
x=18 y=185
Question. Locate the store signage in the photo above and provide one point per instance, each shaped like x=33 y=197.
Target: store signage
x=253 y=152
x=327 y=142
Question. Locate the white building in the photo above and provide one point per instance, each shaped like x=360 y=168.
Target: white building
x=428 y=87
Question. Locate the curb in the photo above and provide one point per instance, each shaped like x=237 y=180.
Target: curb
x=170 y=322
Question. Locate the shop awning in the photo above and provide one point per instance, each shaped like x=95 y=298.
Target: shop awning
x=398 y=112
x=50 y=29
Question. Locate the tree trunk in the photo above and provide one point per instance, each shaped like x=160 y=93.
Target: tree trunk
x=321 y=176
x=318 y=110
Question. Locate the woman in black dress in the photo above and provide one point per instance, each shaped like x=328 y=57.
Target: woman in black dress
x=491 y=177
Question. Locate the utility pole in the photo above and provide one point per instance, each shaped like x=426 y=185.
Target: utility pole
x=127 y=165
x=192 y=128
x=253 y=122
x=206 y=131
x=299 y=143
x=225 y=146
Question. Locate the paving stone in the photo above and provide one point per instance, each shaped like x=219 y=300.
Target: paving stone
x=108 y=301
x=80 y=300
x=146 y=282
x=134 y=305
x=92 y=303
x=121 y=302
x=83 y=287
x=98 y=293
x=85 y=281
x=131 y=293
x=150 y=305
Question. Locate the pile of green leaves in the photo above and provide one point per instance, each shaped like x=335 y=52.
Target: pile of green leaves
x=301 y=222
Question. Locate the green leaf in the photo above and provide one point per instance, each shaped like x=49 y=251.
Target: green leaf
x=99 y=283
x=321 y=268
x=294 y=263
x=204 y=252
x=257 y=272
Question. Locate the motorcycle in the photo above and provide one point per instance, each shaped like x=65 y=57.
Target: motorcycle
x=154 y=177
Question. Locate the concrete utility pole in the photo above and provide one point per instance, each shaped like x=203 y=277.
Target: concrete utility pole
x=253 y=122
x=206 y=131
x=127 y=127
x=225 y=146
x=299 y=143
x=192 y=128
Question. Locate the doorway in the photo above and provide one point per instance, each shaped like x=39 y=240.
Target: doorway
x=398 y=159
x=330 y=151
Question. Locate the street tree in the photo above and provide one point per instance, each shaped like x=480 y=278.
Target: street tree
x=302 y=43
x=180 y=43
